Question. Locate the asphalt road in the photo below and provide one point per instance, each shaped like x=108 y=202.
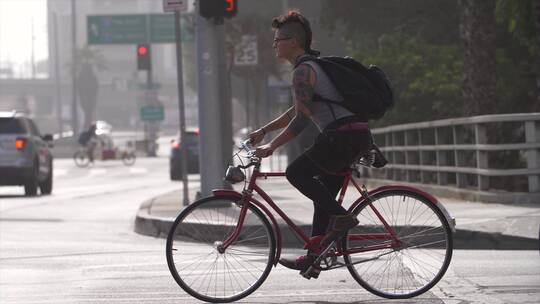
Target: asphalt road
x=78 y=246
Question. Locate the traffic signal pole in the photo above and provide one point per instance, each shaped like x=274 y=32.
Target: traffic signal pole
x=212 y=164
x=74 y=105
x=181 y=116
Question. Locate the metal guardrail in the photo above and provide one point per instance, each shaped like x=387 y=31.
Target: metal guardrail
x=500 y=152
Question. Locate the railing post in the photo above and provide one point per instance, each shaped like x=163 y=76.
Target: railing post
x=481 y=156
x=406 y=151
x=420 y=157
x=440 y=157
x=532 y=135
x=390 y=143
x=460 y=178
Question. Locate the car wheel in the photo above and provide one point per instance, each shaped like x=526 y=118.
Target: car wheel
x=46 y=186
x=175 y=173
x=31 y=186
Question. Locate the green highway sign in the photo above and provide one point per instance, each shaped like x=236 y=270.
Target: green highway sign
x=116 y=29
x=152 y=113
x=137 y=28
x=162 y=28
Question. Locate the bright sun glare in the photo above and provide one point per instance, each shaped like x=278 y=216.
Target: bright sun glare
x=18 y=20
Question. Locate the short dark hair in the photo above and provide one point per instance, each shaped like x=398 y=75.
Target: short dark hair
x=299 y=25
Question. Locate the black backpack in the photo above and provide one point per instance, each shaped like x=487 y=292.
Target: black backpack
x=84 y=138
x=367 y=92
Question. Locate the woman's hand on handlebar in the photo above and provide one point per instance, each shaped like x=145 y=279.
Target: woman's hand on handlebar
x=264 y=151
x=256 y=136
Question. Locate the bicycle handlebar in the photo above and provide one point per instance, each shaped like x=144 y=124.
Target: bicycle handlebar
x=245 y=145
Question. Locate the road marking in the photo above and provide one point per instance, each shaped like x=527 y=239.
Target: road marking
x=60 y=172
x=96 y=172
x=138 y=170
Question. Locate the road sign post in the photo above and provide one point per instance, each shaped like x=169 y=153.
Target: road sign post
x=177 y=6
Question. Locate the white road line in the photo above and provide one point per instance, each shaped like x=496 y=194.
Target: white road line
x=60 y=172
x=96 y=172
x=138 y=170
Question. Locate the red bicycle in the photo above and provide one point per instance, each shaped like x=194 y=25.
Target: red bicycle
x=401 y=248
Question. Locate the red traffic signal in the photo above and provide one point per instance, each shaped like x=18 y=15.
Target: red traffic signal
x=142 y=50
x=218 y=8
x=144 y=60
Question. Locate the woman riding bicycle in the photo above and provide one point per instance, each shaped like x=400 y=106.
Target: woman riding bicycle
x=344 y=135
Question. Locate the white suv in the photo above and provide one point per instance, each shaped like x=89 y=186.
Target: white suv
x=25 y=157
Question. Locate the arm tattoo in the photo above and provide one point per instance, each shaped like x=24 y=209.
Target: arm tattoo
x=303 y=93
x=303 y=89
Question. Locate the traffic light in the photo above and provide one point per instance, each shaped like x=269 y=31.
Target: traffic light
x=218 y=8
x=144 y=59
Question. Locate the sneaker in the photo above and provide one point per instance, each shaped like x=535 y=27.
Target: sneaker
x=338 y=227
x=301 y=263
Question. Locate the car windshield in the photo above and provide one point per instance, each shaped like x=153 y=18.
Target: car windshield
x=10 y=126
x=191 y=139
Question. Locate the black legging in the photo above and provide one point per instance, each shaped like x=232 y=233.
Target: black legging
x=320 y=187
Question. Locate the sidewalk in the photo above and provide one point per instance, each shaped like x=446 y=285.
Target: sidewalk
x=478 y=225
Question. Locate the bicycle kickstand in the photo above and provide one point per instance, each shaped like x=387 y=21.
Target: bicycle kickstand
x=314 y=270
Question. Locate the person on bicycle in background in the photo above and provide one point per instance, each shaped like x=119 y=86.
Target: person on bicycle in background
x=89 y=139
x=343 y=136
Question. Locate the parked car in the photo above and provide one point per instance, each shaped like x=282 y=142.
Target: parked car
x=191 y=144
x=25 y=155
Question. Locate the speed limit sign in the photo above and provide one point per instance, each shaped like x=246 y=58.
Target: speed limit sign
x=246 y=51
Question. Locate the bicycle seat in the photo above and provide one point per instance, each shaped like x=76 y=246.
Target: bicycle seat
x=373 y=158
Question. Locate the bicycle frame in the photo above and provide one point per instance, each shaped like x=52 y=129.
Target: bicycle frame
x=246 y=198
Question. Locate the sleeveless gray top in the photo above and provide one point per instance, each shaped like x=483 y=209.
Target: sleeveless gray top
x=321 y=112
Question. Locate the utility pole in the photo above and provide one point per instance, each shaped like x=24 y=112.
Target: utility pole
x=57 y=73
x=212 y=165
x=74 y=107
x=225 y=102
x=33 y=59
x=181 y=112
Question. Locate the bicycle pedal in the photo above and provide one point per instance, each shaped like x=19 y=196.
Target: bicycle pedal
x=311 y=272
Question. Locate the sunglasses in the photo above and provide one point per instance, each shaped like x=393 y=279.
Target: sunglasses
x=276 y=40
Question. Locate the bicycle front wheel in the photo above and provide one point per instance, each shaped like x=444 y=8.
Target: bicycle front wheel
x=208 y=273
x=128 y=158
x=411 y=263
x=81 y=158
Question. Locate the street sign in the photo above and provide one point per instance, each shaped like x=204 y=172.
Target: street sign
x=246 y=51
x=174 y=5
x=137 y=28
x=162 y=28
x=116 y=29
x=152 y=113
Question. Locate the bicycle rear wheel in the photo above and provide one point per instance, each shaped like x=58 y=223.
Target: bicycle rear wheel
x=194 y=258
x=410 y=268
x=81 y=158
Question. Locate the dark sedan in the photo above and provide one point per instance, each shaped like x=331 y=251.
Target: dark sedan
x=191 y=144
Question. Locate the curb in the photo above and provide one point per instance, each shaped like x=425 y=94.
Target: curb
x=146 y=224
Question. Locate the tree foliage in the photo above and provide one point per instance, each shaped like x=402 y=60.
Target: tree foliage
x=418 y=43
x=426 y=77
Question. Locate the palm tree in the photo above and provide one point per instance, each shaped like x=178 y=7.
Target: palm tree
x=536 y=14
x=477 y=29
x=87 y=62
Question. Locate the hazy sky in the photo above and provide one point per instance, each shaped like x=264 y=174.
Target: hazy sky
x=16 y=19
